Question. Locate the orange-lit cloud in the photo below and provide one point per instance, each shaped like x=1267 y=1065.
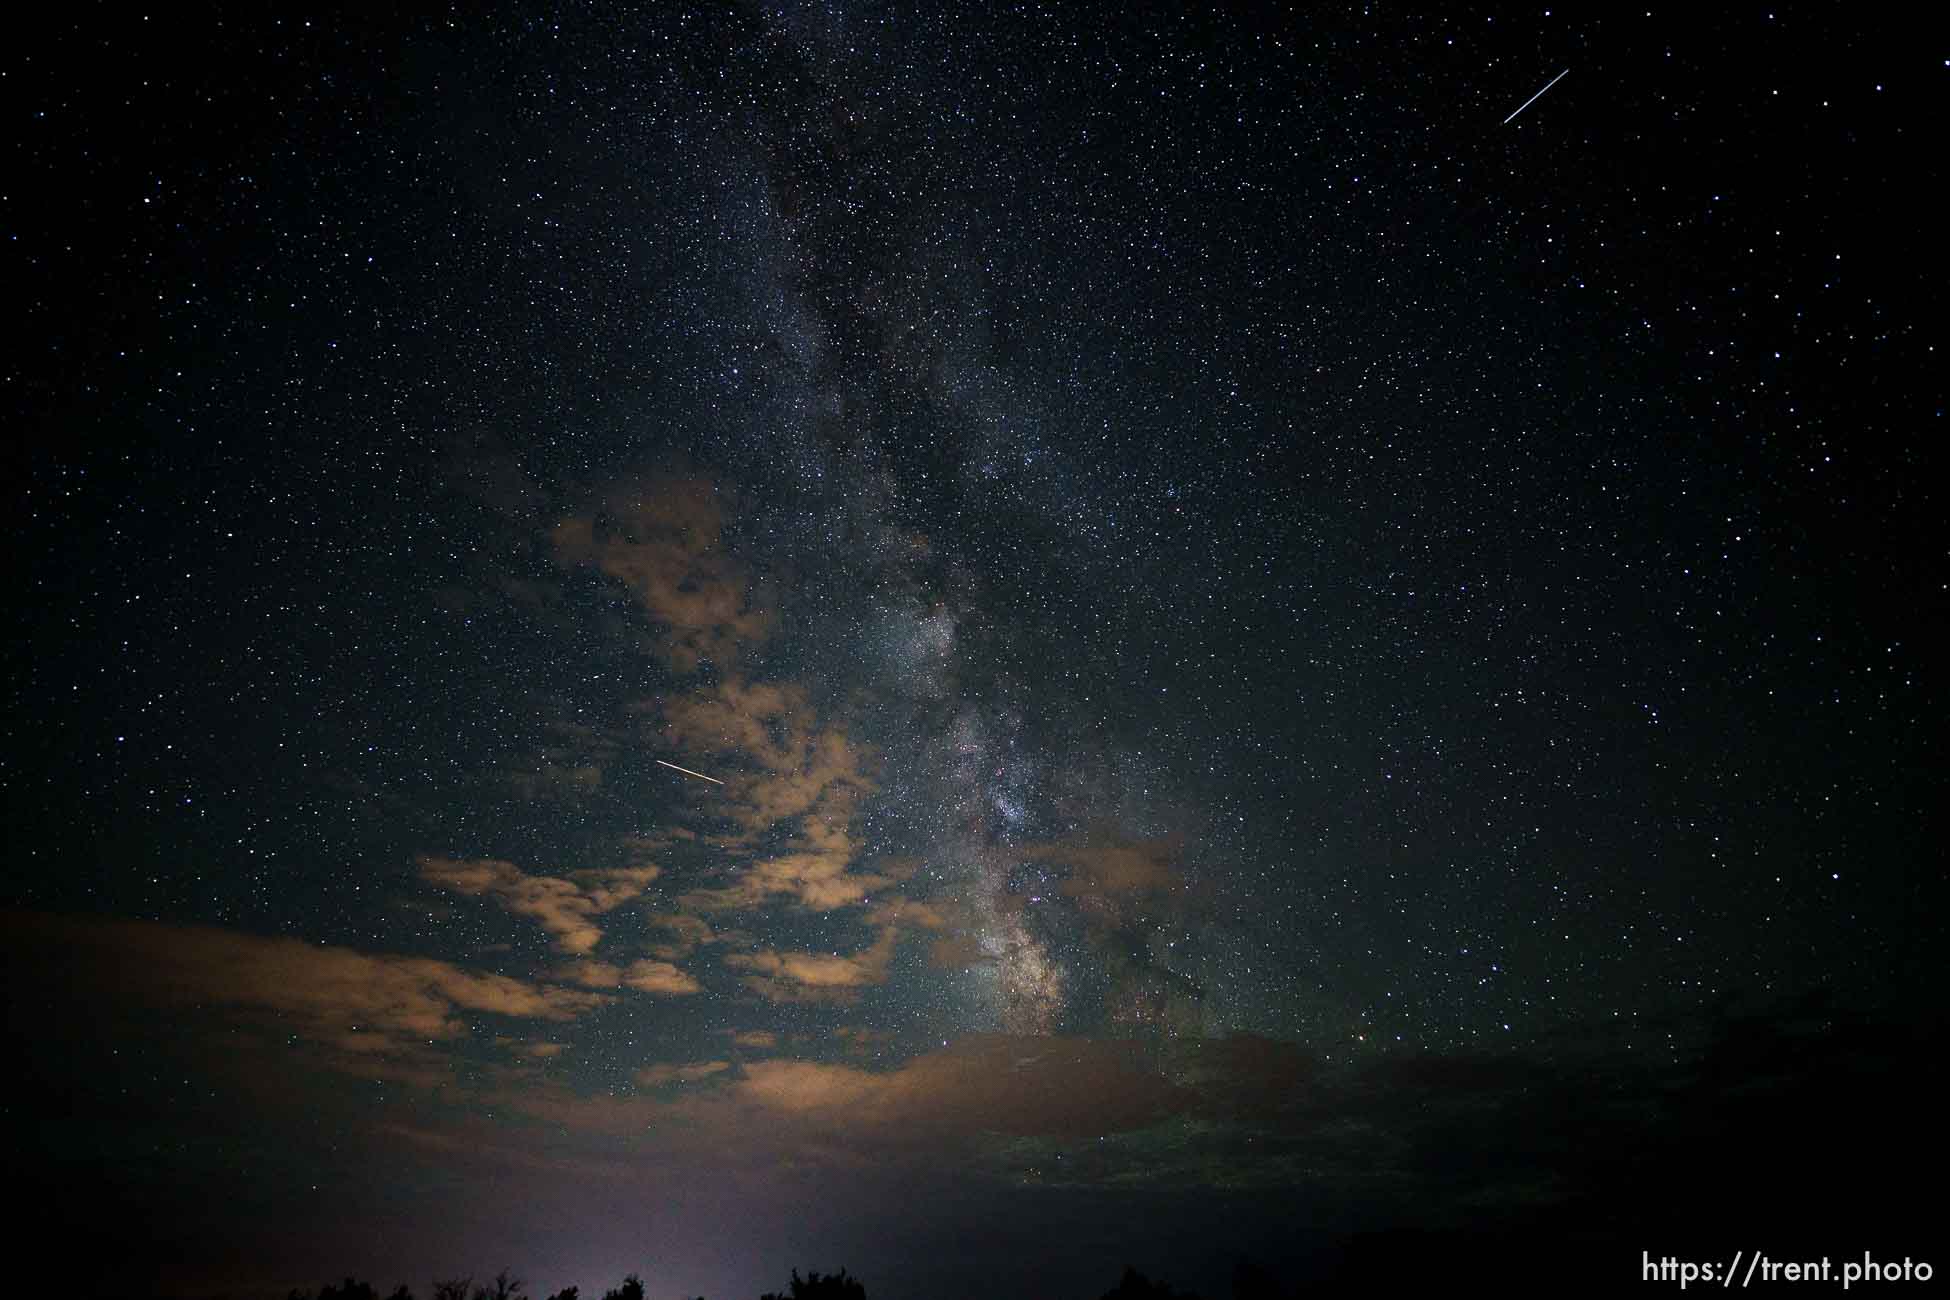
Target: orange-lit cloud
x=904 y=911
x=653 y=1076
x=949 y=1103
x=541 y=1051
x=992 y=1083
x=1121 y=866
x=1107 y=873
x=828 y=780
x=664 y=543
x=366 y=1004
x=857 y=1040
x=644 y=976
x=798 y=1086
x=957 y=952
x=767 y=722
x=658 y=977
x=814 y=869
x=816 y=976
x=835 y=977
x=564 y=905
x=799 y=772
x=685 y=934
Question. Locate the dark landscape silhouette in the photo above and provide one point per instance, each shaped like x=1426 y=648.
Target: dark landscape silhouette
x=1250 y=1283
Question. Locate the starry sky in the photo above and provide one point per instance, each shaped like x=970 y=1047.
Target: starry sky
x=974 y=644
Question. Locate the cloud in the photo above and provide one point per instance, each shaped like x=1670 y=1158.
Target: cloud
x=958 y=952
x=534 y=1051
x=757 y=1038
x=814 y=869
x=816 y=976
x=664 y=543
x=564 y=906
x=362 y=1004
x=658 y=977
x=799 y=1086
x=829 y=778
x=904 y=911
x=644 y=976
x=766 y=722
x=687 y=935
x=986 y=1083
x=1105 y=866
x=955 y=948
x=833 y=977
x=811 y=781
x=856 y=1040
x=653 y=1076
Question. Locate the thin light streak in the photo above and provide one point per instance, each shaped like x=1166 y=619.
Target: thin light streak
x=687 y=772
x=1539 y=95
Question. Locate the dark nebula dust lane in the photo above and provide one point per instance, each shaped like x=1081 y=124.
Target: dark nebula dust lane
x=981 y=645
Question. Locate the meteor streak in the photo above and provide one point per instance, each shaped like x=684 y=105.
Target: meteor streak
x=687 y=772
x=1534 y=98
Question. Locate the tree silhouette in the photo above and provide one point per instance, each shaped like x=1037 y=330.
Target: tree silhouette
x=566 y=1293
x=506 y=1287
x=352 y=1290
x=454 y=1288
x=632 y=1289
x=831 y=1286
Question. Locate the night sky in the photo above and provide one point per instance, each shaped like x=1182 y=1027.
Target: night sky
x=1273 y=663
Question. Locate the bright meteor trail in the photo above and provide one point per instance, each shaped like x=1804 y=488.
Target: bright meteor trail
x=1534 y=98
x=687 y=772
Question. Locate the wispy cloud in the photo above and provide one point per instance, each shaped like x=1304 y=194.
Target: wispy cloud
x=654 y=1076
x=684 y=935
x=644 y=976
x=360 y=1005
x=1105 y=867
x=816 y=976
x=663 y=541
x=990 y=1083
x=809 y=781
x=564 y=905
